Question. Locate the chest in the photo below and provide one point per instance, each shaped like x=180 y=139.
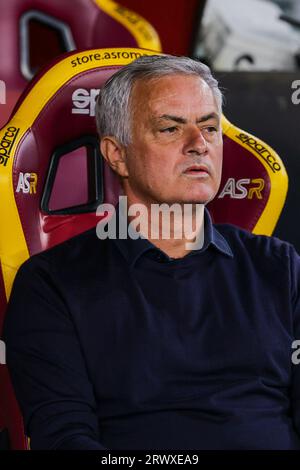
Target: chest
x=160 y=332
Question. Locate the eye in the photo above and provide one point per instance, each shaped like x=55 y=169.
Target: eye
x=168 y=130
x=211 y=129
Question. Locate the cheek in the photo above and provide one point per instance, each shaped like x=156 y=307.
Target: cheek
x=135 y=160
x=150 y=160
x=217 y=157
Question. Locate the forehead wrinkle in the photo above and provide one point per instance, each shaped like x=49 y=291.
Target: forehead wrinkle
x=151 y=98
x=167 y=117
x=173 y=105
x=183 y=120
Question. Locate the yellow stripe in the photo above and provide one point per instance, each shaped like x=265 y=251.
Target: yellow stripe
x=66 y=69
x=13 y=247
x=143 y=32
x=278 y=179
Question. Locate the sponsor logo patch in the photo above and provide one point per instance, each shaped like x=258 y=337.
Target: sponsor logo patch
x=84 y=101
x=7 y=142
x=260 y=150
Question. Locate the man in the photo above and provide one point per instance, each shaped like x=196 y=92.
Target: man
x=147 y=343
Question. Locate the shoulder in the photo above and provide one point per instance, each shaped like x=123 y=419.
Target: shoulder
x=70 y=254
x=260 y=247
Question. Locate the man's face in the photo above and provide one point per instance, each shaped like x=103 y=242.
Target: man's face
x=175 y=154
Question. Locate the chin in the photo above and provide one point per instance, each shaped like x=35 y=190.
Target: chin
x=188 y=200
x=202 y=198
x=189 y=196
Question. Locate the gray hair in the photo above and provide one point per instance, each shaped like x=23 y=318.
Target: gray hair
x=113 y=103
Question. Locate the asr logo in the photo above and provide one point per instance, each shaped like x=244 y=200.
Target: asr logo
x=27 y=183
x=84 y=101
x=243 y=188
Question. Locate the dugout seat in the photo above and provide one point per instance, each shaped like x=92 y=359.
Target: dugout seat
x=34 y=32
x=52 y=177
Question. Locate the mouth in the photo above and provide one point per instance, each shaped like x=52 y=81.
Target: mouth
x=197 y=171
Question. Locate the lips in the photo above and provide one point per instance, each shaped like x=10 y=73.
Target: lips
x=197 y=170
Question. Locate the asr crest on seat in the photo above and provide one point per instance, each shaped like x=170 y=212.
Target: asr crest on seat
x=52 y=176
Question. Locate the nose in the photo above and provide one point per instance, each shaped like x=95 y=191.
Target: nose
x=195 y=143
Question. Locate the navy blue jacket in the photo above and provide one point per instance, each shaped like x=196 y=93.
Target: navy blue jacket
x=112 y=344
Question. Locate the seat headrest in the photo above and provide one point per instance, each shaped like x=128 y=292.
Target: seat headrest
x=35 y=32
x=63 y=27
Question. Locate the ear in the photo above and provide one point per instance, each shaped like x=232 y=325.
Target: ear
x=115 y=155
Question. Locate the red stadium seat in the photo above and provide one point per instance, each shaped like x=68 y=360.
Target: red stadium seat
x=33 y=32
x=53 y=177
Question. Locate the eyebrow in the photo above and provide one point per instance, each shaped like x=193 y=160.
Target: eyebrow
x=182 y=120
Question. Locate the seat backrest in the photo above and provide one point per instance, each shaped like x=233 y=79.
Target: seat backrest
x=254 y=183
x=34 y=32
x=52 y=176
